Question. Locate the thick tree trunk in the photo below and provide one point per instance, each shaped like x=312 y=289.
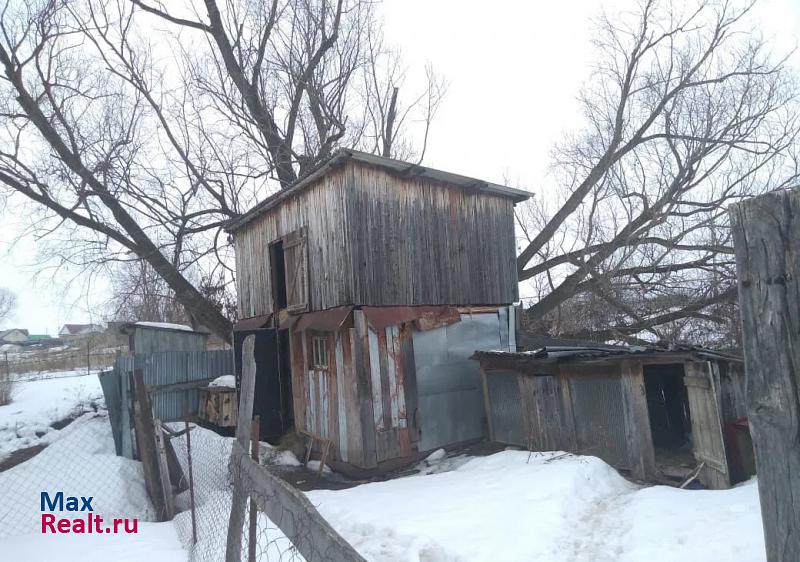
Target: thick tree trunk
x=767 y=240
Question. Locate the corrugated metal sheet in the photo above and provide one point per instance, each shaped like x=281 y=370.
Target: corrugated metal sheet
x=451 y=407
x=600 y=425
x=506 y=408
x=160 y=370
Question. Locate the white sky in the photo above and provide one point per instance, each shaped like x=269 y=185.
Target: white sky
x=514 y=70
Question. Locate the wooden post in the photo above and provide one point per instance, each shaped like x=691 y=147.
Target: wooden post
x=191 y=479
x=251 y=537
x=487 y=403
x=147 y=442
x=236 y=523
x=766 y=233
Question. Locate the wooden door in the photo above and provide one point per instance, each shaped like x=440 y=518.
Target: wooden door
x=707 y=440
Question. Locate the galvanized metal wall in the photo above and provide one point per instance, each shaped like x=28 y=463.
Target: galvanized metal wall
x=173 y=379
x=451 y=406
x=600 y=418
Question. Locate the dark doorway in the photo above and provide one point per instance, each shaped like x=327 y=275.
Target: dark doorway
x=277 y=265
x=272 y=399
x=670 y=422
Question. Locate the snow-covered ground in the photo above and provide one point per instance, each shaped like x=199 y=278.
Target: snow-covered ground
x=510 y=506
x=39 y=402
x=505 y=507
x=81 y=462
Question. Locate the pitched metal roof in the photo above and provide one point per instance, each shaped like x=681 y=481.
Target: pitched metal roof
x=396 y=166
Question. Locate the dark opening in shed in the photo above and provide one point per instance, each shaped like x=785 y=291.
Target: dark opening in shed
x=670 y=419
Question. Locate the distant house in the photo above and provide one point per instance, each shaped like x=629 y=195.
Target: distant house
x=14 y=335
x=75 y=330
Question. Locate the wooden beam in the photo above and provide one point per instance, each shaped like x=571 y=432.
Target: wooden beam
x=766 y=233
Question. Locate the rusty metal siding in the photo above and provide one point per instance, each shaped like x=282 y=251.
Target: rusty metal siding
x=506 y=408
x=600 y=418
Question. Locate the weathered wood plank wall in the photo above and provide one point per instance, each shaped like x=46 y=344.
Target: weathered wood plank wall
x=379 y=239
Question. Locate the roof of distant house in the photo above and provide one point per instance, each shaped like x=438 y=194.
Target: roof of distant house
x=4 y=333
x=77 y=329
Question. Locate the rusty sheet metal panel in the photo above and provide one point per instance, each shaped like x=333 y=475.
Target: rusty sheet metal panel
x=324 y=320
x=451 y=407
x=599 y=418
x=506 y=408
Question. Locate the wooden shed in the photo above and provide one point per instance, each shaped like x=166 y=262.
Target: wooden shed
x=368 y=284
x=660 y=414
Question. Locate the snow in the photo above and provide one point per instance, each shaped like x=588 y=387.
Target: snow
x=506 y=507
x=81 y=461
x=166 y=325
x=36 y=404
x=227 y=381
x=154 y=542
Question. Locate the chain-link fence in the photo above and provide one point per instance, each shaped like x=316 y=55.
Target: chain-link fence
x=80 y=462
x=272 y=521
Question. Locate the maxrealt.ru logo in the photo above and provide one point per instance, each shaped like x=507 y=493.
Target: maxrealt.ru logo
x=90 y=523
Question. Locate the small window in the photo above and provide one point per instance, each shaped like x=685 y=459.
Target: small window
x=319 y=352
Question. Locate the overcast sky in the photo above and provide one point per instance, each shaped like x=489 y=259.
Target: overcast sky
x=514 y=70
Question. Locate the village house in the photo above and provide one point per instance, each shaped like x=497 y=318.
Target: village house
x=368 y=285
x=14 y=335
x=68 y=331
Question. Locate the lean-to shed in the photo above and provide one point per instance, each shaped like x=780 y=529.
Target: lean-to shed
x=657 y=413
x=368 y=284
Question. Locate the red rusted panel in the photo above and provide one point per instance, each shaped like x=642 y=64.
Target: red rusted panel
x=380 y=317
x=437 y=317
x=324 y=320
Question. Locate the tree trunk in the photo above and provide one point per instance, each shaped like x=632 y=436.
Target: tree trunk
x=767 y=241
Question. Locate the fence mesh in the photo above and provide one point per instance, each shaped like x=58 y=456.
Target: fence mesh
x=80 y=461
x=286 y=525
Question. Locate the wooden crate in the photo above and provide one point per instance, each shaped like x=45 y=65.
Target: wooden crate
x=218 y=406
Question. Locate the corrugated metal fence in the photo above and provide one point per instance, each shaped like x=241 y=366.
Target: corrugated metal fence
x=173 y=379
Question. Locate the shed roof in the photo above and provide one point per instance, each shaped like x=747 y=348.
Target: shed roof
x=396 y=166
x=130 y=327
x=561 y=354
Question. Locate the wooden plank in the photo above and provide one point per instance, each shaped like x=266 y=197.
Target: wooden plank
x=487 y=404
x=233 y=544
x=363 y=376
x=157 y=489
x=638 y=435
x=707 y=436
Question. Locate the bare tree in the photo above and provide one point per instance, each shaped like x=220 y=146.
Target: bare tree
x=136 y=132
x=687 y=111
x=8 y=304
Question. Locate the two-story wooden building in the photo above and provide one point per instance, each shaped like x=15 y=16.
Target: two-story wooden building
x=369 y=283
